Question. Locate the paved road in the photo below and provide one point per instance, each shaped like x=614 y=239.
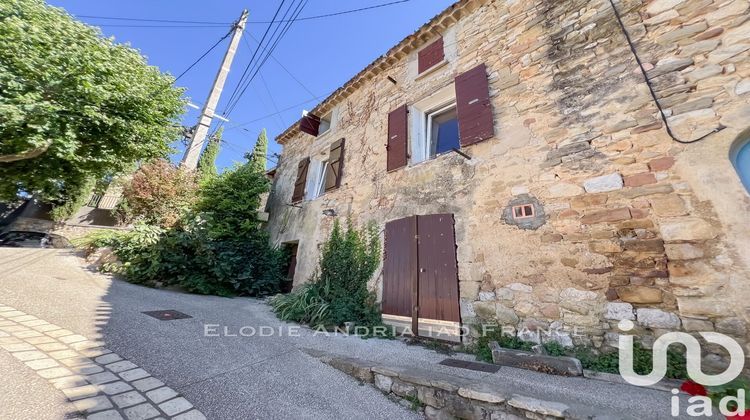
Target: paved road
x=226 y=375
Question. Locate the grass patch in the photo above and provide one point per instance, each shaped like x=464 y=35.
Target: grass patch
x=591 y=359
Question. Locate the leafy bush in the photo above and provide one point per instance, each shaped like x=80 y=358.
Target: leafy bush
x=338 y=292
x=305 y=305
x=642 y=361
x=717 y=392
x=553 y=348
x=158 y=193
x=77 y=195
x=216 y=248
x=96 y=239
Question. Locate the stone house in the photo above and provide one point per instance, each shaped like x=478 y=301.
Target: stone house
x=522 y=172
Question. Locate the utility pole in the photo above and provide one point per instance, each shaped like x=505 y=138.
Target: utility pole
x=193 y=150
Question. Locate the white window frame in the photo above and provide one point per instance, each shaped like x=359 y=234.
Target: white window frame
x=428 y=132
x=421 y=123
x=315 y=186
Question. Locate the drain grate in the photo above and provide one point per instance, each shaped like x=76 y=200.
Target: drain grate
x=464 y=364
x=167 y=315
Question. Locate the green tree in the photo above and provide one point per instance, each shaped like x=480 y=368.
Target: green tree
x=74 y=105
x=207 y=161
x=229 y=203
x=258 y=157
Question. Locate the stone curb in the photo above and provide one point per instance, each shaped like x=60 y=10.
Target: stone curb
x=445 y=396
x=98 y=383
x=664 y=385
x=556 y=365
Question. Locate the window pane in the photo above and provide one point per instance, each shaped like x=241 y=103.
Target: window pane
x=322 y=179
x=325 y=125
x=444 y=131
x=742 y=162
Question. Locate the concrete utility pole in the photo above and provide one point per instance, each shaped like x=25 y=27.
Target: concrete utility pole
x=193 y=150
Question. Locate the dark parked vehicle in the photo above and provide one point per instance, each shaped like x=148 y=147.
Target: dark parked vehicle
x=22 y=239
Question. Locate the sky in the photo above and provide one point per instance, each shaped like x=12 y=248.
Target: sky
x=322 y=54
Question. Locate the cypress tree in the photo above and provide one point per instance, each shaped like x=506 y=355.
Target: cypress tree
x=207 y=161
x=258 y=157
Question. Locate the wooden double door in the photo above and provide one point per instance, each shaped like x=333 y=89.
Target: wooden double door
x=420 y=276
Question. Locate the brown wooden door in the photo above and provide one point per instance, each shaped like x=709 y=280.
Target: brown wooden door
x=438 y=270
x=399 y=267
x=420 y=266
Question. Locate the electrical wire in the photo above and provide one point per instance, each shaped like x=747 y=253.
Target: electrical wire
x=273 y=103
x=272 y=114
x=650 y=86
x=104 y=25
x=343 y=12
x=247 y=67
x=202 y=22
x=300 y=6
x=283 y=67
x=204 y=55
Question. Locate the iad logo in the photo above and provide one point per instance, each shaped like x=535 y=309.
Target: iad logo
x=692 y=356
x=700 y=405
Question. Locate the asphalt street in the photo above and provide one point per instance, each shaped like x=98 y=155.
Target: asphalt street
x=233 y=359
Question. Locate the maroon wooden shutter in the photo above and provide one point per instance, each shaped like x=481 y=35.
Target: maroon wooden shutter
x=397 y=135
x=299 y=184
x=310 y=124
x=399 y=266
x=430 y=55
x=335 y=165
x=473 y=106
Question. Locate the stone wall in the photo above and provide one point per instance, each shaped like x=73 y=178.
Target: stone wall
x=442 y=396
x=67 y=230
x=637 y=225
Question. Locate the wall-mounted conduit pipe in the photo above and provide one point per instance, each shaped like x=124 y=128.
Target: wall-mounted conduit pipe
x=650 y=87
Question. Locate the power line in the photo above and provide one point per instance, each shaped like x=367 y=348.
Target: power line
x=272 y=114
x=244 y=72
x=273 y=103
x=298 y=10
x=152 y=20
x=204 y=54
x=343 y=12
x=247 y=44
x=105 y=25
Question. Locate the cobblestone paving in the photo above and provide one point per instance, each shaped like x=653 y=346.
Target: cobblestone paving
x=100 y=384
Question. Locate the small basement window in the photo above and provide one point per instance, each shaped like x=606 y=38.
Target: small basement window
x=523 y=211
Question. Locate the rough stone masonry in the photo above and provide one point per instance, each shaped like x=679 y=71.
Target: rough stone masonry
x=637 y=226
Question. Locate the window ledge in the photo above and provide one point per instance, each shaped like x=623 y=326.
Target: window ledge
x=431 y=69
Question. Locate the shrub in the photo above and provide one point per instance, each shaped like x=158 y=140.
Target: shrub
x=77 y=195
x=158 y=193
x=216 y=248
x=338 y=292
x=305 y=305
